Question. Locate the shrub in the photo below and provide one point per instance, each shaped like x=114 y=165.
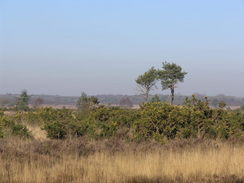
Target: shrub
x=107 y=120
x=8 y=127
x=153 y=121
x=55 y=129
x=160 y=121
x=20 y=130
x=57 y=122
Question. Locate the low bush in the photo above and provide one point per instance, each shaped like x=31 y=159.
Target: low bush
x=8 y=127
x=101 y=122
x=107 y=120
x=152 y=121
x=160 y=121
x=57 y=122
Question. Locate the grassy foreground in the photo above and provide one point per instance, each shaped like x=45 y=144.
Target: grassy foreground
x=80 y=161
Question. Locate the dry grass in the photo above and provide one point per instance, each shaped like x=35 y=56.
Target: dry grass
x=62 y=162
x=37 y=132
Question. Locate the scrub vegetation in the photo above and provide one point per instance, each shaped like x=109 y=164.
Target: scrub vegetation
x=158 y=142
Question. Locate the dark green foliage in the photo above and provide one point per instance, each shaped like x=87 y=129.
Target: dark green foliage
x=56 y=129
x=22 y=102
x=109 y=120
x=154 y=121
x=57 y=122
x=170 y=75
x=20 y=130
x=100 y=122
x=160 y=121
x=8 y=127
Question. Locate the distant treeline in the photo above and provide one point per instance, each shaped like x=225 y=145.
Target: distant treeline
x=8 y=100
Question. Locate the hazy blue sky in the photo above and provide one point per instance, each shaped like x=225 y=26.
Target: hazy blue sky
x=100 y=46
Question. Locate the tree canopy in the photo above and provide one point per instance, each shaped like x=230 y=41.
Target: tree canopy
x=170 y=75
x=147 y=81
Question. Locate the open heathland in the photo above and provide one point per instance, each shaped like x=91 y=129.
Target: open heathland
x=157 y=142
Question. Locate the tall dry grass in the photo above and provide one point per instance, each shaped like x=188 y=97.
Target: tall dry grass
x=31 y=163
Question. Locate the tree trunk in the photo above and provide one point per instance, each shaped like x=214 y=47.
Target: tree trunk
x=172 y=95
x=147 y=95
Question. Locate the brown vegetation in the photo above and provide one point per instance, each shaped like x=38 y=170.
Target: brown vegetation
x=82 y=161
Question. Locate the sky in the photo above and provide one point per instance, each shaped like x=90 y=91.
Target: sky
x=62 y=47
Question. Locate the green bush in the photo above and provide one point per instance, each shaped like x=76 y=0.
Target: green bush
x=160 y=121
x=107 y=120
x=55 y=129
x=20 y=130
x=56 y=122
x=8 y=127
x=60 y=123
x=153 y=121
